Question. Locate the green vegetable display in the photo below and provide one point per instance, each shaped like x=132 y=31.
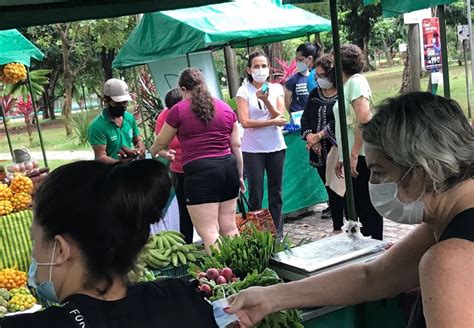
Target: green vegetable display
x=245 y=253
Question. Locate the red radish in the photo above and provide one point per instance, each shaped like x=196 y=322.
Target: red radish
x=28 y=166
x=35 y=164
x=221 y=280
x=201 y=275
x=206 y=289
x=233 y=279
x=16 y=168
x=227 y=273
x=21 y=167
x=11 y=168
x=212 y=274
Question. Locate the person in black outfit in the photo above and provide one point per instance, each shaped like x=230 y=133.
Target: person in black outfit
x=318 y=130
x=91 y=220
x=420 y=151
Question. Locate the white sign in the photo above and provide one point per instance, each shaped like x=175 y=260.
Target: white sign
x=463 y=32
x=402 y=47
x=415 y=17
x=165 y=72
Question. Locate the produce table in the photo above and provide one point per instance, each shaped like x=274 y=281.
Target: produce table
x=384 y=313
x=302 y=186
x=335 y=252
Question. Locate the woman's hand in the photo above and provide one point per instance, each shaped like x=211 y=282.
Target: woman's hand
x=251 y=305
x=242 y=185
x=169 y=154
x=262 y=95
x=339 y=170
x=354 y=161
x=279 y=120
x=313 y=138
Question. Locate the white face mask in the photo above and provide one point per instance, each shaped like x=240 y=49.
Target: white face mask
x=301 y=67
x=385 y=200
x=260 y=75
x=324 y=83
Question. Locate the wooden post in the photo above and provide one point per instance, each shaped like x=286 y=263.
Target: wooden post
x=231 y=70
x=414 y=56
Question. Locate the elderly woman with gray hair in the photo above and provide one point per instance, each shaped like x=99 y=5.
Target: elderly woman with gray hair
x=420 y=151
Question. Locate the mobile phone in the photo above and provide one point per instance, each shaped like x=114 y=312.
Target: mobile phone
x=264 y=88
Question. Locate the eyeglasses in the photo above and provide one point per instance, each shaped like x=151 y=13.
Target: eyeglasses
x=319 y=76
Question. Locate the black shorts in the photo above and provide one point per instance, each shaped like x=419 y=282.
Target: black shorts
x=211 y=180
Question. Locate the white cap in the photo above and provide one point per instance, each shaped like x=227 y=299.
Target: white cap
x=117 y=90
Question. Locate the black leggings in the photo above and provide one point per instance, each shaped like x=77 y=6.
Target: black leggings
x=337 y=204
x=185 y=224
x=371 y=220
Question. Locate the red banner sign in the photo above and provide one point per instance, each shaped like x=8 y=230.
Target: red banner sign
x=431 y=44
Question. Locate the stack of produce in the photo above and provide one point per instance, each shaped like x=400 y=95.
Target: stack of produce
x=14 y=295
x=241 y=262
x=17 y=196
x=250 y=251
x=13 y=73
x=169 y=248
x=216 y=289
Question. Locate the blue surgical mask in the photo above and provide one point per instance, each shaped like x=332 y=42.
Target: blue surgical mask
x=45 y=290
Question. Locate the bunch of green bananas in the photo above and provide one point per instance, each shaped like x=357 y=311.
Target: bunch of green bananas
x=168 y=248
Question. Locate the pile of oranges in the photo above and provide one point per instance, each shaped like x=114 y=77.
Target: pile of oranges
x=17 y=196
x=21 y=183
x=13 y=73
x=11 y=278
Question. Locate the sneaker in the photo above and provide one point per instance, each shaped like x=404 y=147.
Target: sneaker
x=327 y=209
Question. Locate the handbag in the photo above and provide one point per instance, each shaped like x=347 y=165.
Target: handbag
x=261 y=219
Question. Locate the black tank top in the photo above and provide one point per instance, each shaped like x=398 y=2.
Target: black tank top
x=462 y=227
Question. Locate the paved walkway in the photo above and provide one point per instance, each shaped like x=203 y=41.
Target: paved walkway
x=313 y=227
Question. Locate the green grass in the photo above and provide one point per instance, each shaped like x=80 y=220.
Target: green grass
x=54 y=138
x=386 y=83
x=54 y=164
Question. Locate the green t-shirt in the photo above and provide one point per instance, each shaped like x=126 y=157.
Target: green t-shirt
x=354 y=88
x=103 y=131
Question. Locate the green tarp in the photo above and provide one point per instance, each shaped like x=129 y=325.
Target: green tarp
x=20 y=13
x=14 y=47
x=171 y=33
x=397 y=7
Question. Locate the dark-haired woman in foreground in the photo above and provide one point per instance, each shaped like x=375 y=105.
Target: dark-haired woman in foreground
x=212 y=161
x=420 y=151
x=90 y=222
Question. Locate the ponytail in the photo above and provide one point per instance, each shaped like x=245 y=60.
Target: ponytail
x=202 y=103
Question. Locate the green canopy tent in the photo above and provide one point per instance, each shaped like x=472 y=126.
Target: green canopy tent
x=390 y=8
x=239 y=24
x=15 y=48
x=20 y=13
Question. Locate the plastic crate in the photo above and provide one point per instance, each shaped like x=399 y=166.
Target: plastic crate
x=180 y=272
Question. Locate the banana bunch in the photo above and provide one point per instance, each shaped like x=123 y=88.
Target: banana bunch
x=168 y=248
x=166 y=239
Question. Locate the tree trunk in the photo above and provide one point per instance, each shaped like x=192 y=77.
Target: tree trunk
x=406 y=81
x=231 y=70
x=68 y=78
x=275 y=50
x=45 y=105
x=414 y=56
x=107 y=56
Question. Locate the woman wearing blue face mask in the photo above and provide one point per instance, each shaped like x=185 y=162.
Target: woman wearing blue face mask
x=298 y=86
x=420 y=150
x=318 y=130
x=91 y=220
